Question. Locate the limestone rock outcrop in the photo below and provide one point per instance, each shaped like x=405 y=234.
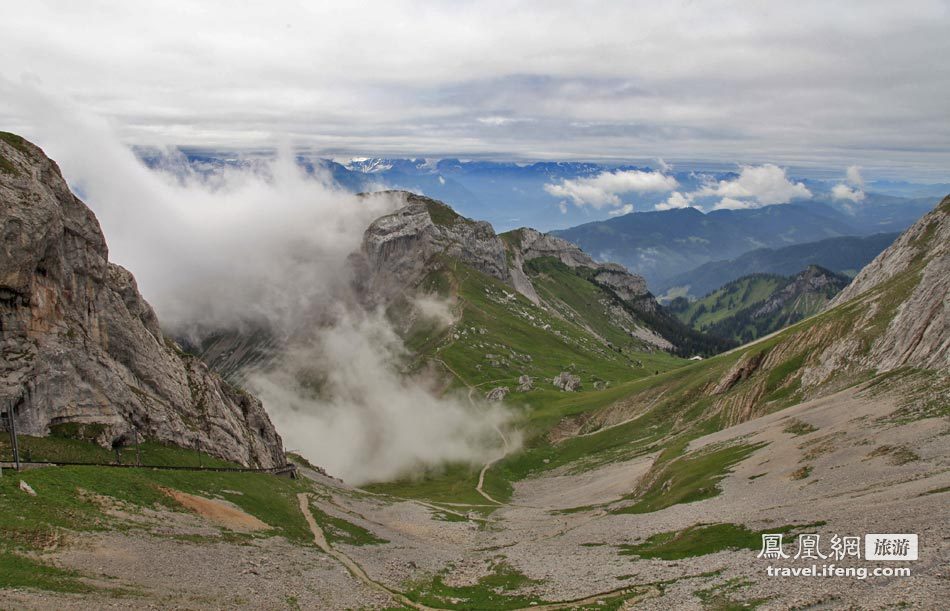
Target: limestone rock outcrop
x=399 y=249
x=527 y=244
x=497 y=394
x=78 y=343
x=916 y=269
x=566 y=381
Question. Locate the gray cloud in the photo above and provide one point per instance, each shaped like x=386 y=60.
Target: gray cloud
x=799 y=84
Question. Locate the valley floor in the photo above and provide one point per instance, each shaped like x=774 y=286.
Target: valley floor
x=842 y=464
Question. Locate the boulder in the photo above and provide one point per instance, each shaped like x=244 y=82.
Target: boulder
x=497 y=394
x=567 y=381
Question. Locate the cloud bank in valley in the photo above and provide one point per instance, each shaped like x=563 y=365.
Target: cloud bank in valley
x=368 y=422
x=852 y=189
x=268 y=246
x=604 y=189
x=755 y=186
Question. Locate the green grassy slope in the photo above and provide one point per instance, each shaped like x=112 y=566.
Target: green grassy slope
x=70 y=499
x=727 y=300
x=669 y=410
x=759 y=304
x=500 y=335
x=77 y=499
x=665 y=411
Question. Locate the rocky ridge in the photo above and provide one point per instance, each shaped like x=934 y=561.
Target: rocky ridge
x=896 y=313
x=894 y=317
x=401 y=248
x=813 y=280
x=916 y=270
x=398 y=250
x=758 y=304
x=80 y=347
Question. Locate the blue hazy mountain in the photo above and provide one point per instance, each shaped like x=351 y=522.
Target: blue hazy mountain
x=844 y=255
x=879 y=212
x=506 y=194
x=658 y=245
x=663 y=245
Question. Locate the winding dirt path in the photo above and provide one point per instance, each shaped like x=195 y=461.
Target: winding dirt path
x=479 y=487
x=356 y=570
x=481 y=474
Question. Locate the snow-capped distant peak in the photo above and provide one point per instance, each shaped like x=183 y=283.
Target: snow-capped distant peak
x=368 y=165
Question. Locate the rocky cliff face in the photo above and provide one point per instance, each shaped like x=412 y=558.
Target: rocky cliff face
x=911 y=281
x=79 y=345
x=896 y=313
x=399 y=249
x=532 y=244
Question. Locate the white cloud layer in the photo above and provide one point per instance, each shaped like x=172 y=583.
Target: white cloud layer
x=755 y=186
x=676 y=200
x=852 y=189
x=269 y=247
x=730 y=203
x=369 y=422
x=606 y=188
x=842 y=191
x=684 y=80
x=853 y=174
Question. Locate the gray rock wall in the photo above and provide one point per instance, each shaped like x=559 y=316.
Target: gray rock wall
x=78 y=344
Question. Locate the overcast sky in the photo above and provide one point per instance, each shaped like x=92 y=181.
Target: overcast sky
x=795 y=83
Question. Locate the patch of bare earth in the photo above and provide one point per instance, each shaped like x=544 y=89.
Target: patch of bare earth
x=220 y=512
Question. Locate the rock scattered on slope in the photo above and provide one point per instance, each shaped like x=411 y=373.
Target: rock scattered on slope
x=567 y=381
x=497 y=394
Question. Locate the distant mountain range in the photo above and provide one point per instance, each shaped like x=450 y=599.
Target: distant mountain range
x=656 y=245
x=661 y=246
x=509 y=194
x=844 y=255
